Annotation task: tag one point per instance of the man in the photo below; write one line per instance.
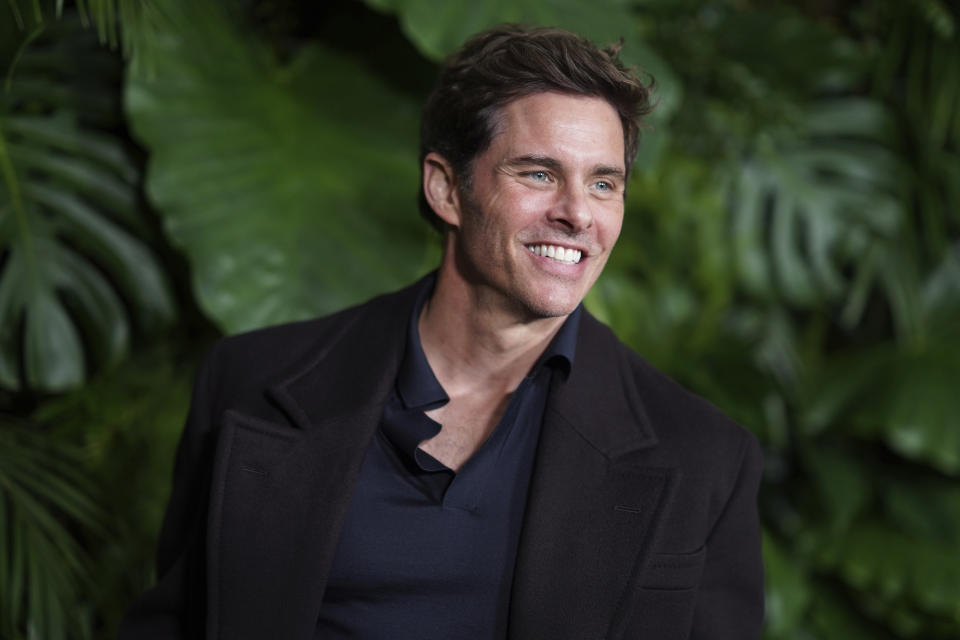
(474, 456)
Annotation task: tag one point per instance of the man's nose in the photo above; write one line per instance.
(573, 208)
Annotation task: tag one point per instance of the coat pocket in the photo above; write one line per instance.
(675, 571)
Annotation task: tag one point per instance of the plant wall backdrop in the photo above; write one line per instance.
(791, 250)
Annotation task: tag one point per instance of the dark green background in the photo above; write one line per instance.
(791, 250)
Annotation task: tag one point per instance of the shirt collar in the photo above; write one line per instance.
(416, 384)
(418, 388)
(559, 353)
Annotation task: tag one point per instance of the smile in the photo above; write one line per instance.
(556, 252)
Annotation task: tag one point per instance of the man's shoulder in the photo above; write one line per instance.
(263, 354)
(679, 416)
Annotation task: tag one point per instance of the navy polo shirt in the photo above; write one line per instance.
(427, 552)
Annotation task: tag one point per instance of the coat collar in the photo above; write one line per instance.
(594, 398)
(598, 399)
(353, 370)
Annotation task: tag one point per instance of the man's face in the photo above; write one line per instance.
(545, 207)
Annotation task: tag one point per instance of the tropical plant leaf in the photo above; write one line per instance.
(906, 399)
(919, 411)
(439, 29)
(805, 210)
(130, 24)
(832, 616)
(127, 423)
(24, 13)
(69, 227)
(788, 590)
(291, 188)
(939, 296)
(925, 508)
(898, 571)
(842, 483)
(46, 508)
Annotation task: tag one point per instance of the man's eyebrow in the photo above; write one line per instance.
(609, 170)
(533, 159)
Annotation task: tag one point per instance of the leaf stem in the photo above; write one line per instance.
(8, 82)
(13, 186)
(16, 13)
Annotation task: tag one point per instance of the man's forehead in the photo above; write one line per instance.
(540, 124)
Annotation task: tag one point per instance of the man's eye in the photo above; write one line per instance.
(538, 176)
(603, 185)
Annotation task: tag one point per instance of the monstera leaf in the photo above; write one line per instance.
(290, 187)
(808, 208)
(74, 276)
(904, 396)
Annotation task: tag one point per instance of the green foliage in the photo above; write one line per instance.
(789, 591)
(437, 30)
(47, 506)
(791, 250)
(806, 207)
(70, 227)
(275, 178)
(139, 19)
(83, 485)
(125, 423)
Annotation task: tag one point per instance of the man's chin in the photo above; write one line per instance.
(543, 308)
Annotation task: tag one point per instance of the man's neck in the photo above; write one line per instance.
(473, 344)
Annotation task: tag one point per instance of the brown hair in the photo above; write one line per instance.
(497, 66)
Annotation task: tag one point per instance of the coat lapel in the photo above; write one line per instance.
(593, 508)
(281, 490)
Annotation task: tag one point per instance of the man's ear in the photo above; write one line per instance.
(440, 188)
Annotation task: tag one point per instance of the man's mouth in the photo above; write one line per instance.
(556, 252)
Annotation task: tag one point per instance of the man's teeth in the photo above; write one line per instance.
(560, 254)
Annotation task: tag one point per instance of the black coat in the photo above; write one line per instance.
(641, 521)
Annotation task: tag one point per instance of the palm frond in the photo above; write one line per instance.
(47, 510)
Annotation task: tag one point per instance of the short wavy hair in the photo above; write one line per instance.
(507, 62)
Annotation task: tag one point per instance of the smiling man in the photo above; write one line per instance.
(474, 456)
